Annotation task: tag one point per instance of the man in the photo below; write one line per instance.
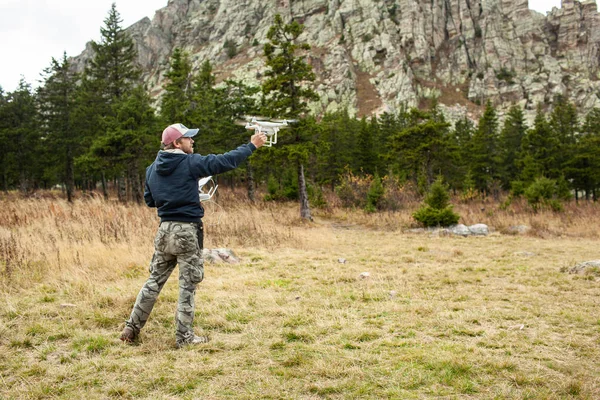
(172, 187)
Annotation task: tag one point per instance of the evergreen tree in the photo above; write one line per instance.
(365, 154)
(206, 112)
(584, 166)
(539, 152)
(19, 137)
(462, 140)
(115, 79)
(89, 121)
(389, 126)
(5, 143)
(131, 140)
(286, 96)
(114, 59)
(57, 104)
(375, 194)
(436, 209)
(423, 149)
(335, 146)
(176, 102)
(510, 143)
(564, 125)
(484, 148)
(235, 99)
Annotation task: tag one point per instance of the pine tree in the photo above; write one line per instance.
(20, 139)
(57, 99)
(462, 140)
(335, 146)
(114, 62)
(423, 149)
(510, 143)
(176, 102)
(115, 78)
(89, 121)
(436, 209)
(375, 194)
(484, 148)
(205, 110)
(584, 166)
(4, 140)
(131, 140)
(540, 151)
(365, 152)
(564, 125)
(286, 96)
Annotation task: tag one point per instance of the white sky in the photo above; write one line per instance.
(34, 31)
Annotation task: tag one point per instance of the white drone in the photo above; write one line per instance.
(269, 128)
(208, 192)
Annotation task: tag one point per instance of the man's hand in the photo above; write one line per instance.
(258, 139)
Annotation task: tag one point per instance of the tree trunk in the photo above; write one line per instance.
(104, 188)
(304, 207)
(250, 179)
(5, 177)
(136, 188)
(69, 177)
(134, 192)
(23, 182)
(122, 188)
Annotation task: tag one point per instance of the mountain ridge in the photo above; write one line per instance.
(374, 56)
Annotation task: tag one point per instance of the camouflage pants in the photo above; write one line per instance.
(175, 242)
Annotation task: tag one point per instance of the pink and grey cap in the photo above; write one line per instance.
(175, 131)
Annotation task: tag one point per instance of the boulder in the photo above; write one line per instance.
(460, 229)
(220, 256)
(587, 267)
(479, 230)
(518, 229)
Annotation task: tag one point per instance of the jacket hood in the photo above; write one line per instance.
(167, 162)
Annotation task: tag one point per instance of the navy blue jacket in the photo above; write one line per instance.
(172, 181)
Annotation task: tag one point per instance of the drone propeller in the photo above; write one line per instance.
(289, 121)
(254, 118)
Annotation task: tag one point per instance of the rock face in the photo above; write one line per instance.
(372, 56)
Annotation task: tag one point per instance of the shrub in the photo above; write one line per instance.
(438, 197)
(231, 48)
(517, 188)
(353, 190)
(315, 196)
(506, 75)
(429, 216)
(436, 210)
(375, 195)
(544, 192)
(398, 192)
(287, 190)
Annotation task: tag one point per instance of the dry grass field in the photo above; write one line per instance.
(441, 317)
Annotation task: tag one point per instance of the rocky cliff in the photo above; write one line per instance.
(372, 56)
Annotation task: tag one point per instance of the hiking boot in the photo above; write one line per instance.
(128, 335)
(193, 340)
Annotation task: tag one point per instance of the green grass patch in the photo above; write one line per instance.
(93, 344)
